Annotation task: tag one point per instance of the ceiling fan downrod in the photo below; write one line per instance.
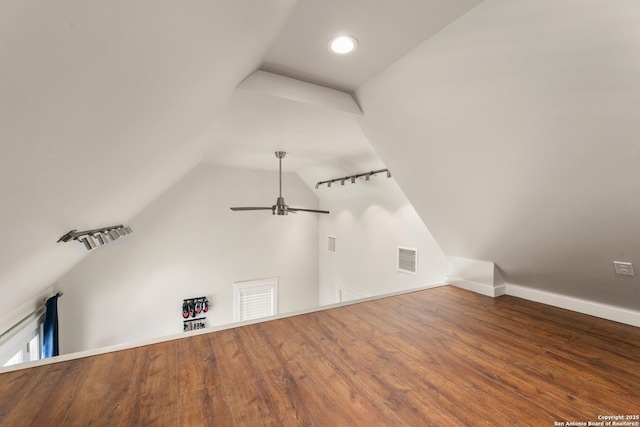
(280, 155)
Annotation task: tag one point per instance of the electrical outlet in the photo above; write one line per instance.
(624, 268)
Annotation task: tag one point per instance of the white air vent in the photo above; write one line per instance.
(255, 299)
(331, 244)
(256, 303)
(407, 260)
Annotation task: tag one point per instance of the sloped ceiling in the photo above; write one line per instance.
(514, 133)
(269, 113)
(103, 106)
(386, 30)
(512, 130)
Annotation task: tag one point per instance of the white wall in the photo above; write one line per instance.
(100, 107)
(188, 243)
(514, 133)
(369, 222)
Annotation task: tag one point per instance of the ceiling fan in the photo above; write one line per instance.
(280, 208)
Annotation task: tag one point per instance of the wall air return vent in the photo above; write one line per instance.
(407, 260)
(255, 299)
(331, 244)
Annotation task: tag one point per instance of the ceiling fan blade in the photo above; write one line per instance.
(251, 209)
(308, 210)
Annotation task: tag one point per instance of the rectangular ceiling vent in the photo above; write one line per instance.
(407, 260)
(331, 244)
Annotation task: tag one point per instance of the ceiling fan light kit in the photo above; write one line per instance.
(280, 208)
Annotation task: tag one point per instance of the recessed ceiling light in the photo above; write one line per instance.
(343, 45)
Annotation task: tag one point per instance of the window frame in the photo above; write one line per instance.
(20, 341)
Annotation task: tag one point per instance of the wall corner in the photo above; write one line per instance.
(482, 277)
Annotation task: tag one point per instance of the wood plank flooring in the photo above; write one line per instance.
(441, 357)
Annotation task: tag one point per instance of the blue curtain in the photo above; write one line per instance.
(50, 337)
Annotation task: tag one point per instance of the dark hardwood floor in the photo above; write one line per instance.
(441, 357)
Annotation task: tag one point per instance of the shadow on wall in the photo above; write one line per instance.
(369, 226)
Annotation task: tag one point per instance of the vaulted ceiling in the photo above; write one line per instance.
(511, 126)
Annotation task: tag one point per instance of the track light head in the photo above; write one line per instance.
(114, 234)
(353, 179)
(88, 242)
(368, 177)
(317, 185)
(342, 181)
(102, 239)
(388, 174)
(329, 184)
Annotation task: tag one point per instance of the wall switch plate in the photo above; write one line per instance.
(624, 268)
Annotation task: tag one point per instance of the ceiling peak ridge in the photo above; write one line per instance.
(292, 89)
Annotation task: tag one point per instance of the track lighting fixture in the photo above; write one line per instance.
(352, 178)
(88, 237)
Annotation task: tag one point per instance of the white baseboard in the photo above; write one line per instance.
(180, 335)
(604, 311)
(596, 309)
(479, 288)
